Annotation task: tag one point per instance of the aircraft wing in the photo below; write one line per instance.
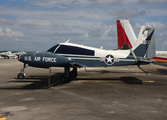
(78, 65)
(160, 60)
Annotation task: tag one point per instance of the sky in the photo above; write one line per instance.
(37, 25)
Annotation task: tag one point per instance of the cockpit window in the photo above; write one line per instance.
(63, 49)
(52, 49)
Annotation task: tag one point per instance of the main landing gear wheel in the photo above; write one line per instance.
(65, 79)
(73, 73)
(67, 76)
(21, 75)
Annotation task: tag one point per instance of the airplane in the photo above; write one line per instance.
(70, 55)
(126, 36)
(8, 54)
(161, 54)
(160, 60)
(20, 53)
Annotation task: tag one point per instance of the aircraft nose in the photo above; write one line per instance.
(21, 58)
(44, 59)
(25, 57)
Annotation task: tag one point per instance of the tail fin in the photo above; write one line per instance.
(145, 44)
(125, 34)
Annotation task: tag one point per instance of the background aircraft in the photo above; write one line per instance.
(20, 53)
(69, 55)
(8, 54)
(161, 54)
(125, 34)
(126, 37)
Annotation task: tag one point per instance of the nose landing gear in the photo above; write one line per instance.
(66, 77)
(22, 75)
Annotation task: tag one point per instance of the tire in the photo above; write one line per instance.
(73, 74)
(21, 76)
(65, 79)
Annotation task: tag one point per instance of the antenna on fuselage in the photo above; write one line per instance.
(67, 40)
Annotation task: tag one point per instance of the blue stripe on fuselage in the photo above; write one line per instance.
(91, 61)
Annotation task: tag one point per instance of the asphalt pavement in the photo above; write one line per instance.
(112, 93)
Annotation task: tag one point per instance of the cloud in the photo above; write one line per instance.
(10, 33)
(161, 41)
(153, 1)
(46, 25)
(6, 21)
(50, 3)
(18, 40)
(106, 32)
(157, 25)
(102, 2)
(86, 35)
(59, 3)
(126, 2)
(128, 13)
(48, 22)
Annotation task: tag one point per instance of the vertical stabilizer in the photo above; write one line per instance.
(145, 44)
(125, 34)
(142, 35)
(151, 48)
